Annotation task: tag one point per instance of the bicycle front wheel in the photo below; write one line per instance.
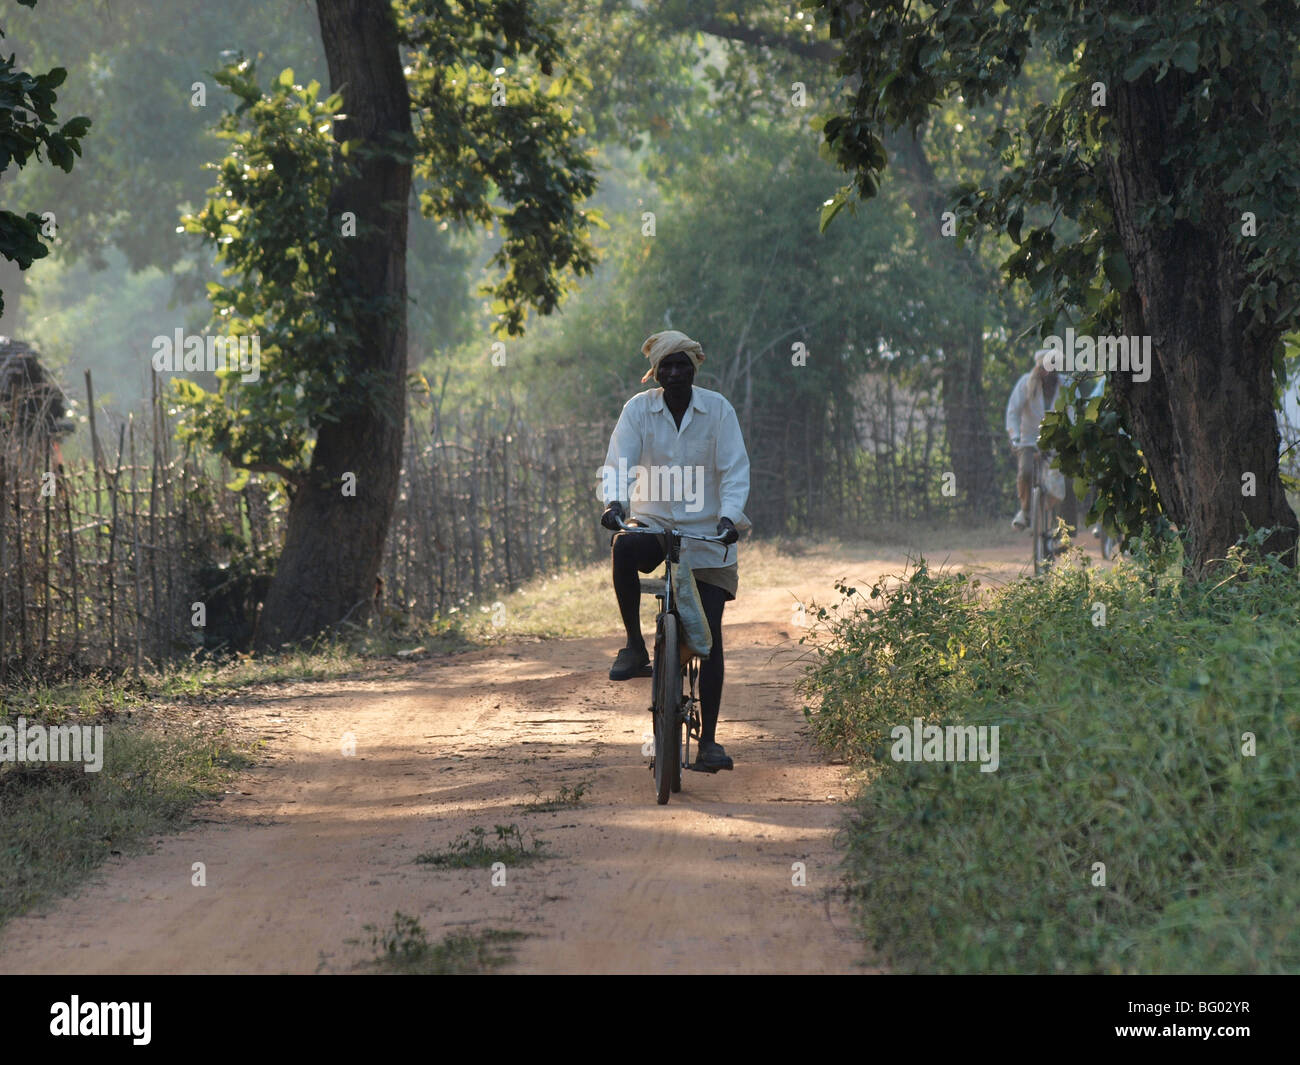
(668, 705)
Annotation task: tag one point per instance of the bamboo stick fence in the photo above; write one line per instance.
(103, 557)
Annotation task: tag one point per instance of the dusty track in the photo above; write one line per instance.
(311, 846)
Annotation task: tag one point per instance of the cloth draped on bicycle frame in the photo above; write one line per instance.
(1054, 482)
(695, 635)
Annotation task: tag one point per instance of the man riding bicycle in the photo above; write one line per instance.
(683, 446)
(1032, 397)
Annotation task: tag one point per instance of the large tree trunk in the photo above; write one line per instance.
(966, 429)
(1205, 419)
(334, 541)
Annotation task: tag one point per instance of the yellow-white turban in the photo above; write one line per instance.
(670, 341)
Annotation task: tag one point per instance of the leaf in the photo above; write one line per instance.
(1118, 272)
(884, 85)
(832, 207)
(1139, 66)
(1014, 223)
(1186, 56)
(930, 53)
(285, 80)
(76, 127)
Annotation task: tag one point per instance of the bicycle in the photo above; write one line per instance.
(1109, 542)
(1043, 529)
(1109, 545)
(670, 708)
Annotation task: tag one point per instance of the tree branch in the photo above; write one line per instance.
(718, 27)
(294, 477)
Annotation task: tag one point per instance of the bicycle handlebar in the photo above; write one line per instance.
(720, 539)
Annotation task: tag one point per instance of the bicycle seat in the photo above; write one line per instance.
(654, 585)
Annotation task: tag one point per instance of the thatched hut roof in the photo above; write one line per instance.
(29, 394)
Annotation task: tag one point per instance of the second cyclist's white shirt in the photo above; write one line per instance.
(709, 445)
(1025, 411)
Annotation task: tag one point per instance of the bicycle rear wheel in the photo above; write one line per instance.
(689, 720)
(1051, 546)
(668, 704)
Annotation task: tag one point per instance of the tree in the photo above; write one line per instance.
(1166, 168)
(313, 233)
(28, 126)
(790, 320)
(150, 122)
(765, 47)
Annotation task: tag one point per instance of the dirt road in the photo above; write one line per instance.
(311, 845)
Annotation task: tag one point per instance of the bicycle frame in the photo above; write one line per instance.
(1040, 518)
(1110, 542)
(688, 710)
(672, 552)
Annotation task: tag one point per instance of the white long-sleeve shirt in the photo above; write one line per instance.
(1025, 412)
(687, 479)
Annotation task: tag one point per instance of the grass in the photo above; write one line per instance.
(566, 799)
(61, 823)
(216, 678)
(560, 606)
(1126, 743)
(404, 947)
(473, 850)
(327, 658)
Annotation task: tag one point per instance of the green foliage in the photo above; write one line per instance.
(404, 947)
(909, 653)
(515, 162)
(271, 221)
(640, 64)
(28, 126)
(141, 59)
(565, 799)
(1120, 743)
(517, 166)
(1092, 446)
(736, 263)
(1236, 127)
(61, 822)
(471, 850)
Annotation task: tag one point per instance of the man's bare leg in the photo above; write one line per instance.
(1024, 481)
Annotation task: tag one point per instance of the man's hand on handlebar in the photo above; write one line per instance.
(727, 530)
(614, 513)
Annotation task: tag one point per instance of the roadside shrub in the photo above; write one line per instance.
(1121, 742)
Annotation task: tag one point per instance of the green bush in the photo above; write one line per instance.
(1120, 743)
(62, 822)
